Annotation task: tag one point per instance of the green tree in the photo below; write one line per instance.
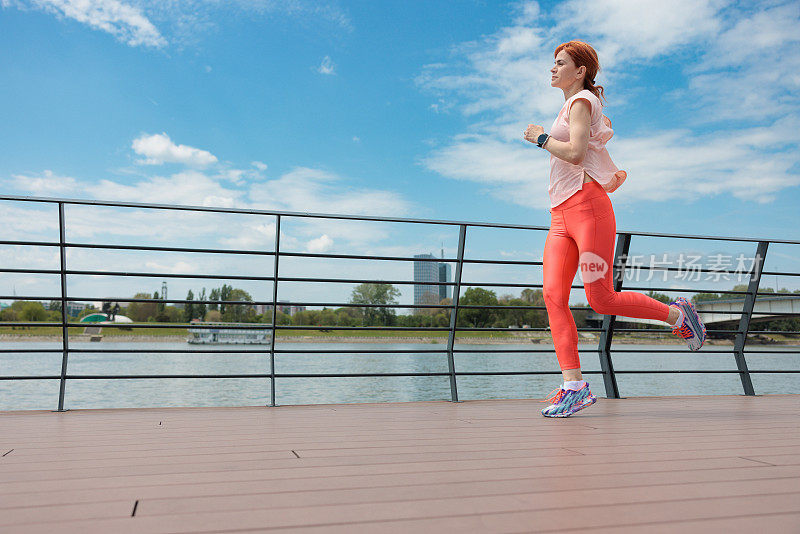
(698, 297)
(200, 309)
(214, 295)
(159, 305)
(189, 308)
(225, 294)
(9, 315)
(477, 317)
(140, 311)
(376, 294)
(32, 312)
(237, 313)
(512, 317)
(346, 316)
(170, 314)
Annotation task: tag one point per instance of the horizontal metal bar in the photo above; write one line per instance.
(389, 258)
(254, 252)
(35, 351)
(682, 289)
(388, 375)
(13, 242)
(657, 330)
(356, 281)
(170, 207)
(33, 325)
(30, 377)
(700, 371)
(30, 271)
(759, 351)
(257, 375)
(169, 249)
(254, 351)
(673, 350)
(780, 332)
(360, 281)
(780, 273)
(167, 275)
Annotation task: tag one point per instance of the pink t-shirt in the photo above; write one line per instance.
(565, 178)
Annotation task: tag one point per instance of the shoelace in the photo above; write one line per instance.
(555, 399)
(683, 330)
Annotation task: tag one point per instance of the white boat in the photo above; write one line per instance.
(222, 334)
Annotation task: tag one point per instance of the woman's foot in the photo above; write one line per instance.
(691, 328)
(567, 401)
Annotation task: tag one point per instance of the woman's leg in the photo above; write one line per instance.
(593, 226)
(560, 262)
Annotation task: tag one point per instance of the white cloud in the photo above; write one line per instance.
(185, 22)
(313, 190)
(501, 83)
(124, 21)
(260, 165)
(327, 66)
(159, 148)
(176, 267)
(47, 183)
(321, 244)
(189, 187)
(621, 30)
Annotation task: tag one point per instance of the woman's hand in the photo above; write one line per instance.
(532, 132)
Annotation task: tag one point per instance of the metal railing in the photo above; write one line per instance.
(606, 331)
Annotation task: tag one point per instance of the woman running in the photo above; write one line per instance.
(583, 227)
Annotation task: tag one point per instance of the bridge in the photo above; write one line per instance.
(725, 313)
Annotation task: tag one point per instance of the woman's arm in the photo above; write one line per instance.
(574, 150)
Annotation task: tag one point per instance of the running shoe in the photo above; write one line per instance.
(567, 401)
(692, 329)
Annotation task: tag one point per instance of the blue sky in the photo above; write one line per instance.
(400, 109)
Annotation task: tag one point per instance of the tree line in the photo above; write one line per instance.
(377, 309)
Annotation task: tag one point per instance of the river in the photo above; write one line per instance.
(136, 393)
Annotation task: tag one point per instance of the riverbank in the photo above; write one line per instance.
(462, 339)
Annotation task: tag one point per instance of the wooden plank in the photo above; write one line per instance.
(514, 513)
(483, 466)
(378, 485)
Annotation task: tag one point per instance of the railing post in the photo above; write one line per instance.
(274, 312)
(606, 365)
(64, 315)
(744, 321)
(462, 236)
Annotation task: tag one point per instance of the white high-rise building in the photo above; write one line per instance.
(429, 271)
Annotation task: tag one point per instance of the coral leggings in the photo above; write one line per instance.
(582, 231)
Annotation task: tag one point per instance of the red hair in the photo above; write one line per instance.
(584, 56)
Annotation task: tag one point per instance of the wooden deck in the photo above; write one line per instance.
(663, 464)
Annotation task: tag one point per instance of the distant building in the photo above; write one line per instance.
(445, 274)
(290, 310)
(426, 272)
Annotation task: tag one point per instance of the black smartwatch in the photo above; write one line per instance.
(541, 140)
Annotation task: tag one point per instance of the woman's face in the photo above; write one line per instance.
(565, 72)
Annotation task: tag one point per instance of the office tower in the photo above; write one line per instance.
(444, 276)
(426, 272)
